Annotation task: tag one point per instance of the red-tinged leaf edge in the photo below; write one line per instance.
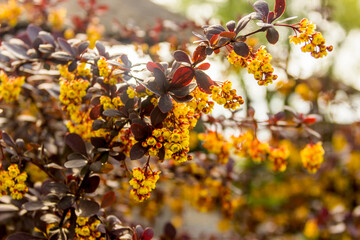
(148, 234)
(199, 55)
(279, 8)
(182, 77)
(76, 143)
(137, 151)
(230, 35)
(151, 66)
(108, 199)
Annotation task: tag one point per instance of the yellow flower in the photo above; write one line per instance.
(57, 18)
(312, 156)
(10, 12)
(10, 87)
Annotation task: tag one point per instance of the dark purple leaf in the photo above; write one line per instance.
(262, 8)
(184, 99)
(152, 86)
(101, 48)
(181, 56)
(243, 22)
(182, 77)
(215, 29)
(8, 140)
(137, 151)
(161, 80)
(98, 124)
(203, 39)
(165, 103)
(87, 208)
(72, 66)
(223, 41)
(231, 25)
(32, 31)
(76, 143)
(139, 230)
(82, 47)
(64, 45)
(272, 35)
(157, 116)
(98, 142)
(66, 202)
(75, 163)
(16, 50)
(139, 131)
(148, 234)
(96, 166)
(91, 184)
(113, 113)
(124, 58)
(108, 199)
(204, 81)
(47, 37)
(33, 206)
(184, 91)
(23, 236)
(63, 57)
(241, 49)
(170, 231)
(55, 187)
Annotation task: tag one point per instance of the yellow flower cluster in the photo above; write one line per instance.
(261, 68)
(105, 71)
(215, 143)
(81, 124)
(143, 182)
(247, 145)
(109, 103)
(10, 12)
(131, 92)
(71, 94)
(176, 143)
(257, 63)
(126, 139)
(313, 41)
(94, 32)
(279, 156)
(86, 229)
(56, 18)
(13, 181)
(226, 96)
(200, 103)
(10, 87)
(312, 156)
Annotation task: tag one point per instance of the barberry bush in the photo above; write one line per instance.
(96, 145)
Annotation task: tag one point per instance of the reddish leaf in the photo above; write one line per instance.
(151, 66)
(204, 66)
(230, 35)
(108, 199)
(279, 8)
(199, 55)
(95, 112)
(139, 131)
(76, 143)
(181, 56)
(148, 234)
(182, 77)
(91, 184)
(214, 39)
